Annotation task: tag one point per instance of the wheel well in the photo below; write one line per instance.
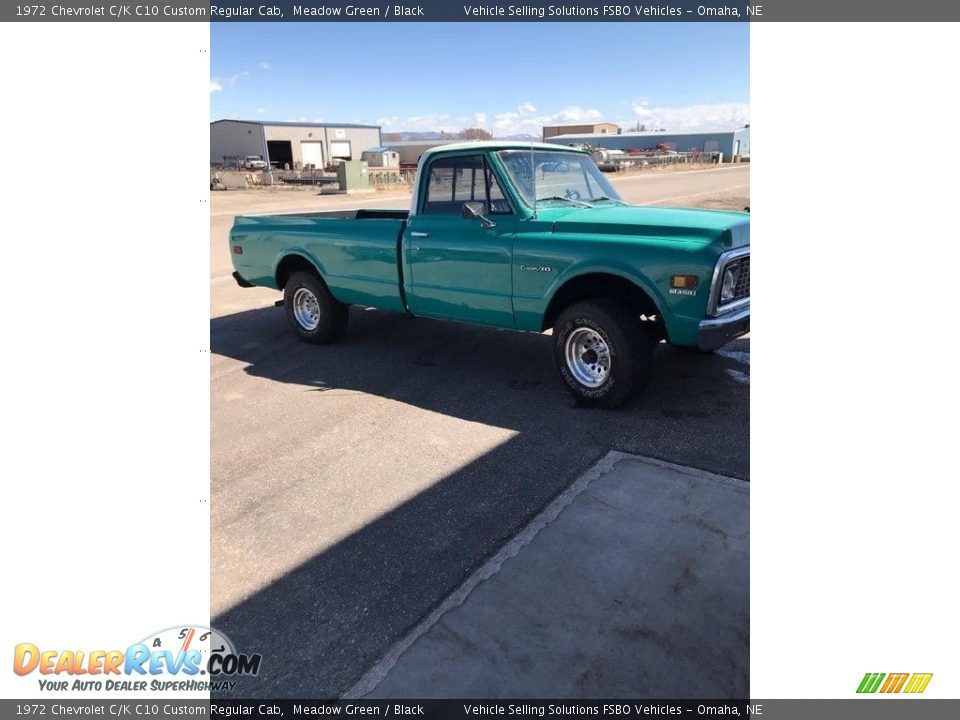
(602, 285)
(291, 264)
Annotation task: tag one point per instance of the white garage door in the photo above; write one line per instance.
(312, 153)
(340, 149)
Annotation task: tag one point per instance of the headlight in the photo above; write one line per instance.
(729, 284)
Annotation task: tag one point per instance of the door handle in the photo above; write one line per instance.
(415, 233)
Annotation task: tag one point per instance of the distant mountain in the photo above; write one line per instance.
(522, 136)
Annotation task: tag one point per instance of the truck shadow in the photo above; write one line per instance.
(496, 377)
(322, 624)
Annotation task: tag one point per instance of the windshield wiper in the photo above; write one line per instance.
(604, 197)
(581, 203)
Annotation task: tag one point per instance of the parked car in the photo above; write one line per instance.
(492, 239)
(254, 162)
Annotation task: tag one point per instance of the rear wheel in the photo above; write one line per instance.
(314, 314)
(603, 352)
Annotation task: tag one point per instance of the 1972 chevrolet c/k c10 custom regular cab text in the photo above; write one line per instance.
(520, 236)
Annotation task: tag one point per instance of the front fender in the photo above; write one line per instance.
(621, 269)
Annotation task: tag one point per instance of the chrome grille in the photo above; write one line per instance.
(743, 281)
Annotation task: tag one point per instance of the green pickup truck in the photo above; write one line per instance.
(523, 236)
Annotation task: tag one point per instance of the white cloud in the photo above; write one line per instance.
(575, 113)
(217, 84)
(526, 120)
(263, 66)
(420, 119)
(425, 123)
(703, 116)
(302, 118)
(505, 120)
(261, 111)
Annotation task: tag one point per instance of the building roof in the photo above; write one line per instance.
(583, 124)
(653, 133)
(299, 124)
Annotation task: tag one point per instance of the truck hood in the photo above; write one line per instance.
(731, 229)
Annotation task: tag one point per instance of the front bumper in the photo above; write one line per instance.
(717, 332)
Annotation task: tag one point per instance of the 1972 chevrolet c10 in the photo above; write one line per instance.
(520, 236)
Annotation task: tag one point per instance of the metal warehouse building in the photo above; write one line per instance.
(603, 128)
(289, 143)
(729, 142)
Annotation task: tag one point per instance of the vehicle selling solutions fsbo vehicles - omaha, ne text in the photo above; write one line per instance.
(520, 236)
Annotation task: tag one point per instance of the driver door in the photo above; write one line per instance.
(457, 268)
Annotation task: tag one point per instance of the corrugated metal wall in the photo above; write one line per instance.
(235, 138)
(360, 139)
(705, 142)
(238, 138)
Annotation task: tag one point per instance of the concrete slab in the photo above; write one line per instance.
(633, 583)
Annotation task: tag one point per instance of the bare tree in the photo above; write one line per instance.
(475, 134)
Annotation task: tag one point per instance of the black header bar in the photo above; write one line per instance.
(484, 11)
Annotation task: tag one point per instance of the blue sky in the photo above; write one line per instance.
(508, 78)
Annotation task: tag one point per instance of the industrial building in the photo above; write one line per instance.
(603, 128)
(290, 145)
(411, 150)
(381, 157)
(732, 143)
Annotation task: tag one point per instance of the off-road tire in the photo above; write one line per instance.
(629, 345)
(332, 315)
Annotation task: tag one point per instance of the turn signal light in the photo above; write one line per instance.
(684, 282)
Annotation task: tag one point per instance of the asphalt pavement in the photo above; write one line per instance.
(354, 486)
(633, 583)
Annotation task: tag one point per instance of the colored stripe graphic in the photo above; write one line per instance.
(918, 682)
(894, 682)
(870, 682)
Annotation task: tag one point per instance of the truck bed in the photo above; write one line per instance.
(362, 214)
(358, 260)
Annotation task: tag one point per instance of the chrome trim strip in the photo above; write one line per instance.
(722, 262)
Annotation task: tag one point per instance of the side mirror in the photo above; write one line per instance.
(473, 210)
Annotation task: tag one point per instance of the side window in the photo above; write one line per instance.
(468, 184)
(498, 203)
(454, 181)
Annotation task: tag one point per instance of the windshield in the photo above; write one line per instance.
(558, 176)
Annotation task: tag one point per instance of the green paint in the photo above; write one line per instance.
(446, 266)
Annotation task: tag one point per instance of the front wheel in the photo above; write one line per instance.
(603, 352)
(315, 315)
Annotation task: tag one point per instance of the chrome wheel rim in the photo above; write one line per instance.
(306, 309)
(588, 357)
